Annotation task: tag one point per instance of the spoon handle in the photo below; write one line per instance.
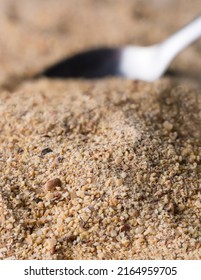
(183, 38)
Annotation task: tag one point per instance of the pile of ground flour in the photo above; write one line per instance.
(97, 169)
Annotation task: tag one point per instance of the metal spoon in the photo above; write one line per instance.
(140, 63)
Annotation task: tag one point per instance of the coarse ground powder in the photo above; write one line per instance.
(100, 170)
(103, 169)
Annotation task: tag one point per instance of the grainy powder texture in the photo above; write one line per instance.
(97, 169)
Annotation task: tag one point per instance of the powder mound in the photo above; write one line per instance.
(122, 180)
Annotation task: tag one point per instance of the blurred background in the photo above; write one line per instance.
(36, 33)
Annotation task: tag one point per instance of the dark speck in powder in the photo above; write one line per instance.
(46, 151)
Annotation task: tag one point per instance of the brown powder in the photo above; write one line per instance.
(130, 186)
(126, 155)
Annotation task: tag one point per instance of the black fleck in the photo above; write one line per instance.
(20, 150)
(46, 151)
